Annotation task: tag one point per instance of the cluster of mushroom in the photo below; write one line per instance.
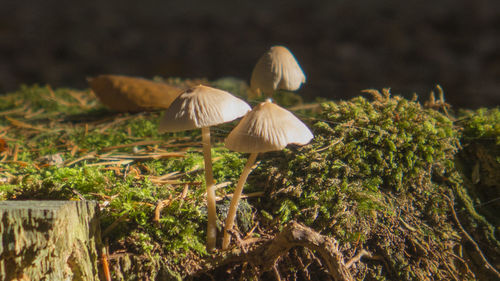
(266, 127)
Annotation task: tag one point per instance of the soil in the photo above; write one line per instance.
(343, 46)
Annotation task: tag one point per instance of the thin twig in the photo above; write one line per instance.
(184, 194)
(249, 195)
(33, 114)
(276, 272)
(222, 185)
(161, 204)
(294, 234)
(91, 155)
(465, 265)
(23, 125)
(169, 176)
(120, 162)
(144, 142)
(105, 264)
(15, 110)
(150, 156)
(358, 257)
(476, 246)
(15, 153)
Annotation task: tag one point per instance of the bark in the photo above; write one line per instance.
(49, 240)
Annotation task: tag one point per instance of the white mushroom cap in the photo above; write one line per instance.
(202, 106)
(267, 127)
(276, 69)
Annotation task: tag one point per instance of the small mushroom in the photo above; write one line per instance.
(202, 107)
(268, 127)
(276, 69)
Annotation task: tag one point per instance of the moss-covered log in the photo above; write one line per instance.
(49, 240)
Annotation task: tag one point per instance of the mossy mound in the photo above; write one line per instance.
(383, 174)
(379, 176)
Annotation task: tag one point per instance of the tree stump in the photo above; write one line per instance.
(49, 240)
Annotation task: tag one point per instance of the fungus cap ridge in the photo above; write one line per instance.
(268, 127)
(277, 69)
(202, 106)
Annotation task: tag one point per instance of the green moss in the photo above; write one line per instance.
(483, 123)
(367, 179)
(479, 163)
(128, 201)
(46, 99)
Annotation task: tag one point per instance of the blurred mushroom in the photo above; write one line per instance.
(202, 107)
(130, 94)
(268, 127)
(276, 69)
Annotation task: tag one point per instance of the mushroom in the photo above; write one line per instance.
(202, 107)
(268, 127)
(276, 69)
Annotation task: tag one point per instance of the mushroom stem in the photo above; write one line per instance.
(236, 198)
(209, 182)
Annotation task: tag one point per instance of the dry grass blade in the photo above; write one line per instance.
(15, 153)
(91, 155)
(121, 162)
(138, 143)
(24, 125)
(222, 184)
(249, 195)
(10, 139)
(169, 176)
(185, 191)
(20, 163)
(157, 181)
(73, 150)
(184, 194)
(52, 97)
(153, 156)
(115, 122)
(81, 98)
(161, 204)
(190, 144)
(30, 114)
(197, 183)
(15, 110)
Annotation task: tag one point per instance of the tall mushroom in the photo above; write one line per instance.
(202, 107)
(276, 69)
(268, 127)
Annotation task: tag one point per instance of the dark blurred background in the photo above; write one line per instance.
(343, 46)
